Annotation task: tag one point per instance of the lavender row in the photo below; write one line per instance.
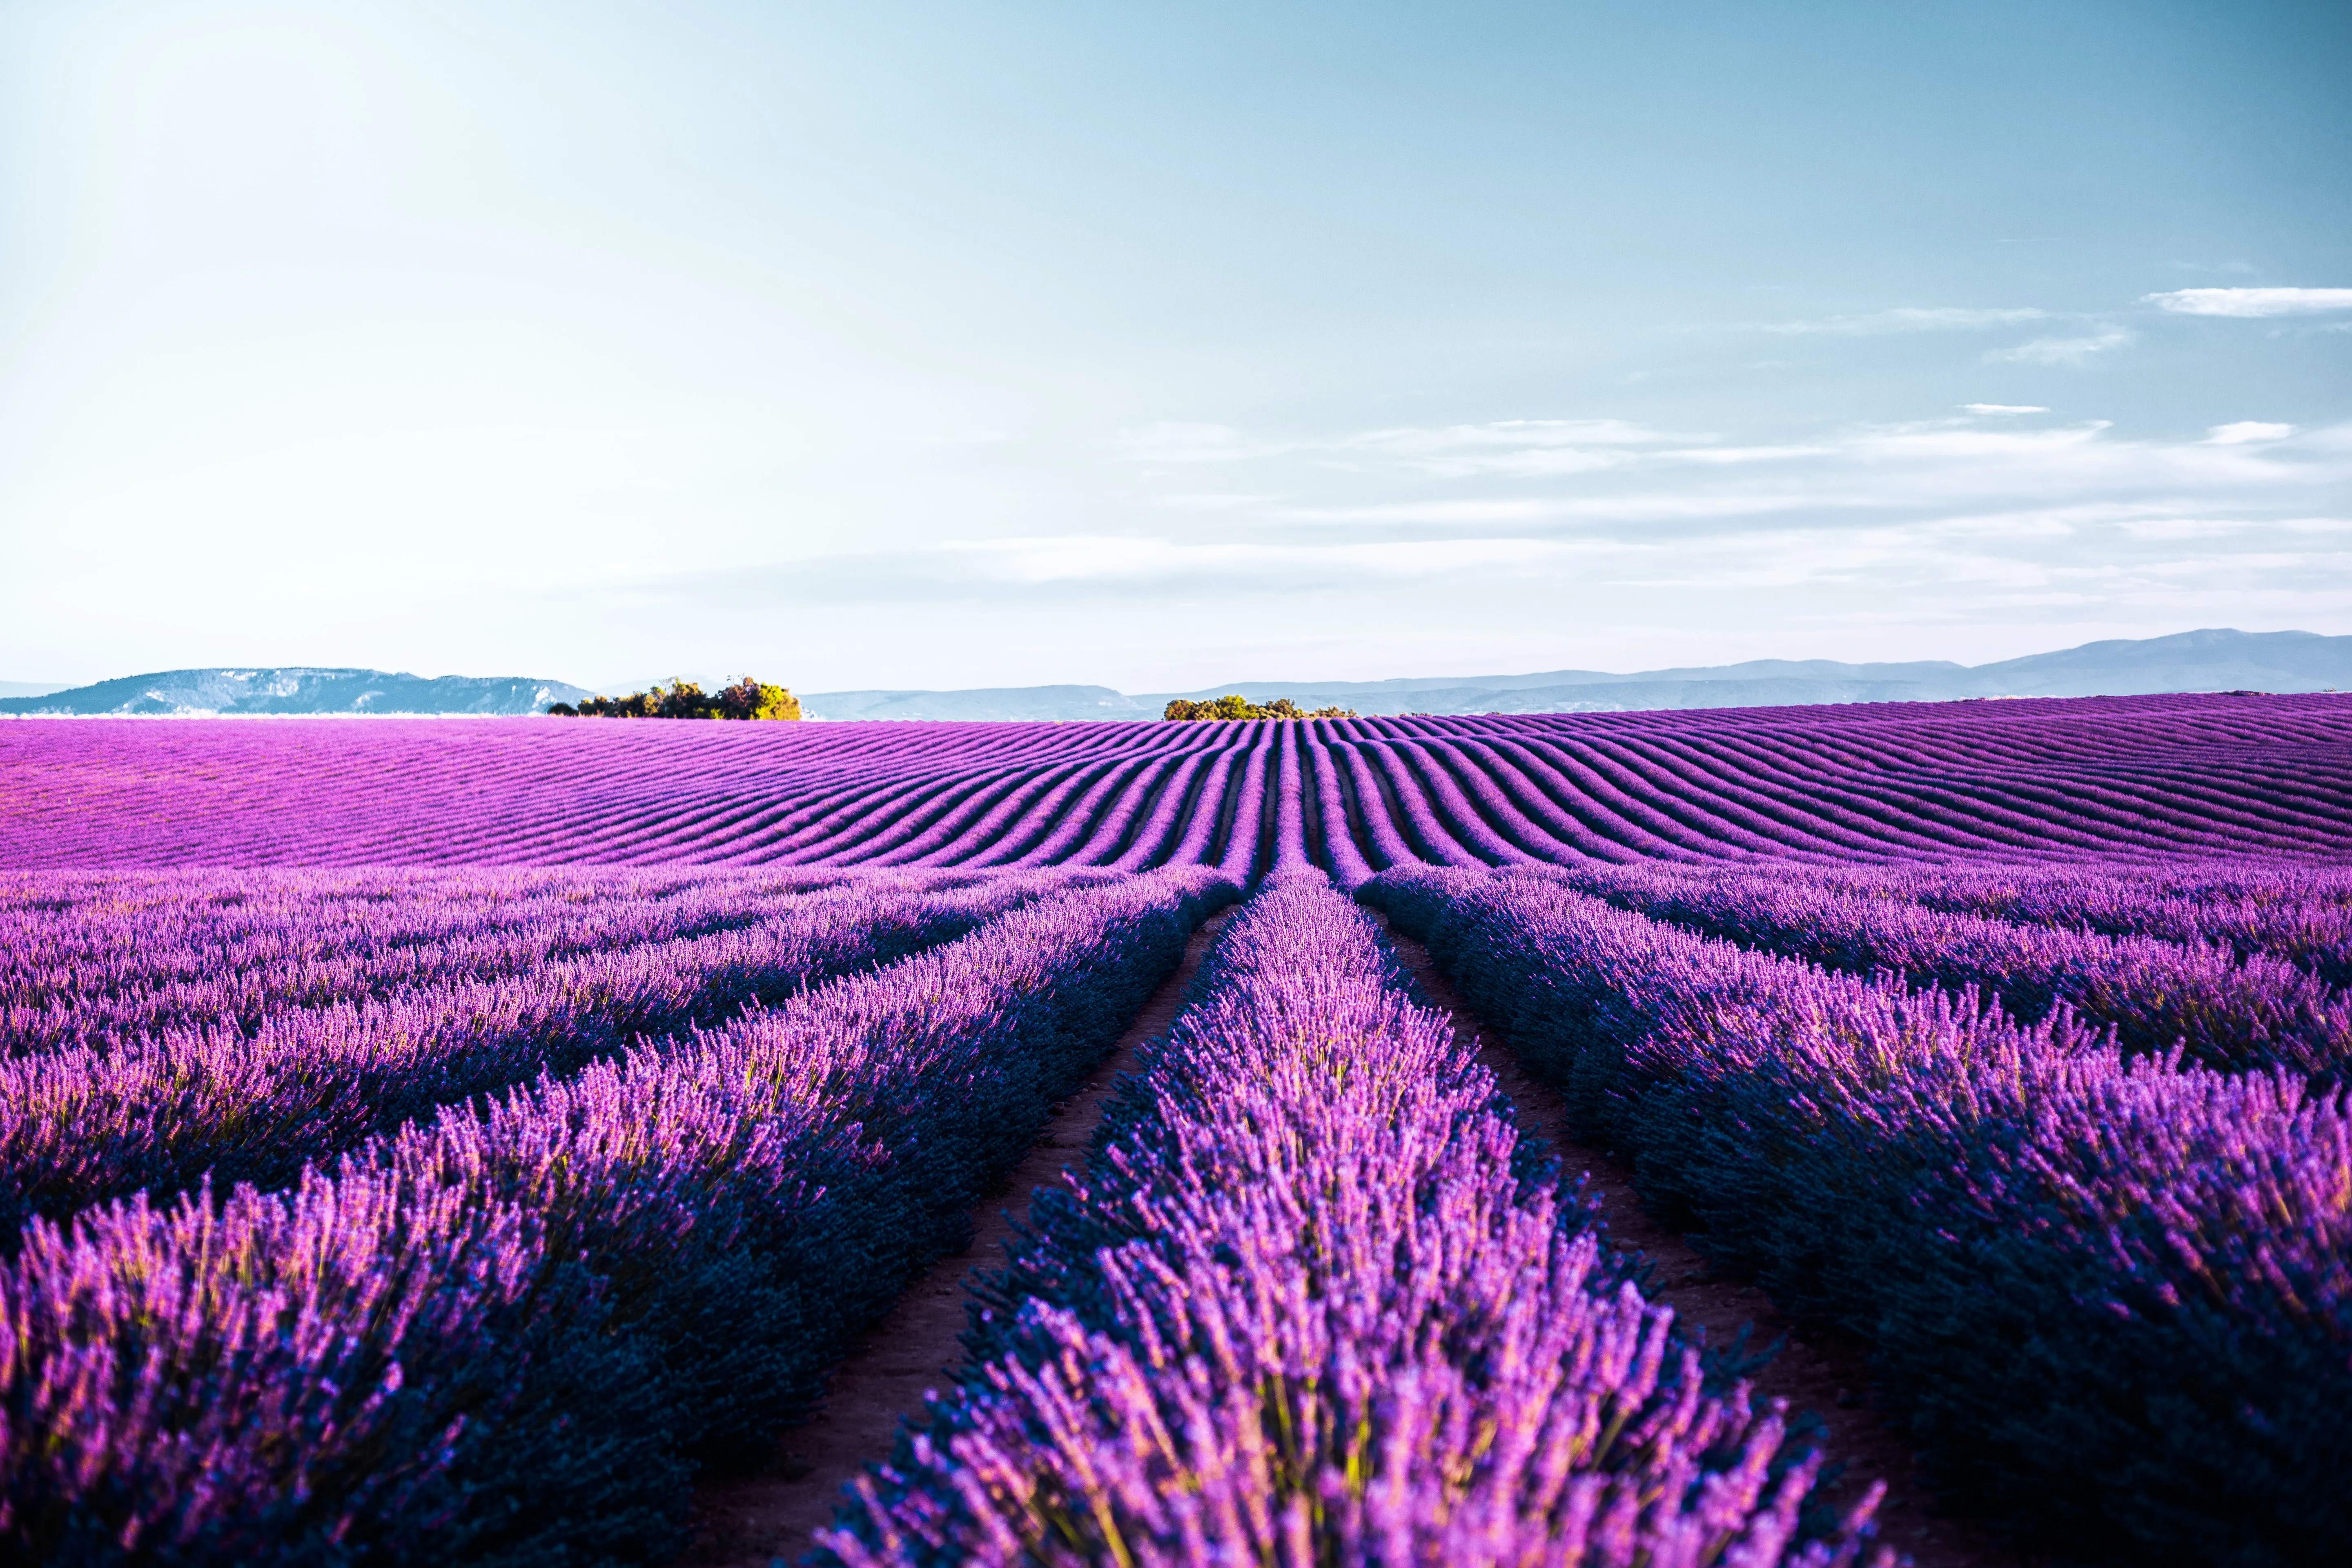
(2300, 914)
(508, 1336)
(262, 915)
(2109, 1297)
(2226, 1012)
(96, 960)
(80, 1126)
(1316, 1299)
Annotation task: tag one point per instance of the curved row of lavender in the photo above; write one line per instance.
(2109, 1297)
(90, 958)
(1316, 1299)
(2127, 777)
(510, 1334)
(2301, 914)
(153, 1110)
(2223, 1009)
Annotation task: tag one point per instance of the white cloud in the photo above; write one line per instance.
(1516, 433)
(1729, 457)
(1173, 442)
(2246, 430)
(1865, 475)
(1513, 449)
(1214, 502)
(1134, 569)
(2004, 408)
(1516, 512)
(1950, 523)
(1074, 558)
(1518, 449)
(2186, 526)
(1526, 463)
(2062, 351)
(2250, 301)
(1913, 319)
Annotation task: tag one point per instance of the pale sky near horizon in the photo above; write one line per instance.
(1159, 345)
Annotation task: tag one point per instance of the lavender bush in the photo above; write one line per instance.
(2298, 913)
(2110, 1296)
(2223, 1010)
(504, 1335)
(78, 1126)
(1314, 1301)
(99, 959)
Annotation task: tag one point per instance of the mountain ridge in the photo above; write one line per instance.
(2210, 660)
(296, 689)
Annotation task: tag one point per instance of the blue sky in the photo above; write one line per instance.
(876, 344)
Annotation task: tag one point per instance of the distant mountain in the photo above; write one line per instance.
(1753, 671)
(2212, 660)
(2190, 661)
(31, 688)
(298, 691)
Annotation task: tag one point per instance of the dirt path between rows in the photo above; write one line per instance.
(767, 1517)
(1828, 1375)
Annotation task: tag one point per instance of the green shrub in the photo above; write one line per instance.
(1232, 705)
(747, 698)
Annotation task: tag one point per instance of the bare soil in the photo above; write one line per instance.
(769, 1516)
(1827, 1374)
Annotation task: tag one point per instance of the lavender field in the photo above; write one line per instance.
(431, 1141)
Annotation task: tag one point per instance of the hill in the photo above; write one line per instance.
(2215, 659)
(2210, 660)
(297, 689)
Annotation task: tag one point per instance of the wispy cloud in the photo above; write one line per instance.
(1127, 568)
(2186, 527)
(1974, 516)
(1035, 562)
(1866, 473)
(2250, 301)
(1984, 519)
(1172, 442)
(1517, 432)
(2246, 430)
(1912, 318)
(2074, 351)
(2004, 408)
(1525, 448)
(1214, 502)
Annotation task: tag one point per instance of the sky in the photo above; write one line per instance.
(1156, 345)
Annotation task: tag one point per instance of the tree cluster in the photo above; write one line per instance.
(747, 698)
(1232, 705)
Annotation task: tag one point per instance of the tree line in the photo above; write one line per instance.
(747, 698)
(1234, 705)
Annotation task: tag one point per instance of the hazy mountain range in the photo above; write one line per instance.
(298, 690)
(2212, 660)
(2215, 660)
